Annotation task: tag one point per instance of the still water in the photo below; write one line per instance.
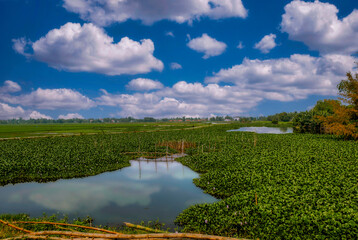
(274, 130)
(147, 190)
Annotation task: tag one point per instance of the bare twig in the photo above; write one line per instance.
(15, 227)
(71, 225)
(144, 228)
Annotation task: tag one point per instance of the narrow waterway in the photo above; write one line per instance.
(272, 130)
(148, 190)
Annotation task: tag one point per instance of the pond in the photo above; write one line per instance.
(148, 190)
(273, 130)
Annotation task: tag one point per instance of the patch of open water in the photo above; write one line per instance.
(146, 191)
(273, 130)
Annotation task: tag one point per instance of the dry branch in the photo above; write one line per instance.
(35, 237)
(144, 228)
(134, 236)
(15, 227)
(71, 225)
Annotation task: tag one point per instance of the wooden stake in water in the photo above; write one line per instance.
(166, 154)
(140, 171)
(182, 147)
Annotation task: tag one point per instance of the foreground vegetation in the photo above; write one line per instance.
(24, 224)
(270, 186)
(285, 187)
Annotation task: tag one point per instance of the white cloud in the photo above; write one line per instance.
(240, 45)
(241, 88)
(170, 34)
(51, 99)
(88, 48)
(144, 84)
(37, 115)
(288, 79)
(8, 112)
(10, 87)
(71, 116)
(207, 45)
(317, 25)
(20, 46)
(102, 12)
(267, 43)
(183, 99)
(175, 66)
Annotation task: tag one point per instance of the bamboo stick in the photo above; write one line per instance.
(71, 225)
(135, 236)
(16, 227)
(36, 237)
(144, 228)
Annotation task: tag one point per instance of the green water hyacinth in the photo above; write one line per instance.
(293, 186)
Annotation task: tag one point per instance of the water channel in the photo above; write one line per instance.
(148, 190)
(273, 130)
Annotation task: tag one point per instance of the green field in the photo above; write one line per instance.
(295, 186)
(36, 130)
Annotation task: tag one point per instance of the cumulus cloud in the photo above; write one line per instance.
(8, 112)
(88, 48)
(183, 99)
(317, 25)
(37, 115)
(10, 87)
(102, 12)
(144, 84)
(207, 45)
(175, 66)
(238, 89)
(20, 46)
(71, 116)
(288, 79)
(267, 43)
(51, 99)
(241, 88)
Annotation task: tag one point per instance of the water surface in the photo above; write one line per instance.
(273, 130)
(147, 190)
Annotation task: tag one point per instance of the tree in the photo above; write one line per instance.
(310, 121)
(344, 121)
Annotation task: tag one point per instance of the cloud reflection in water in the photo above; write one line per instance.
(143, 191)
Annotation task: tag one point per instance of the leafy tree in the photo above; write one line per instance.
(344, 121)
(309, 121)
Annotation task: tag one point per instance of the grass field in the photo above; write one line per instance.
(36, 130)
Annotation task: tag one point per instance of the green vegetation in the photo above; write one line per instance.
(285, 187)
(36, 130)
(308, 122)
(270, 186)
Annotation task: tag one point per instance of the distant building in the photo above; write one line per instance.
(236, 118)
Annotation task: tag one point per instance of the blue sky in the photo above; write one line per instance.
(165, 58)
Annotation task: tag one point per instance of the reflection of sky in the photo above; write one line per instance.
(274, 130)
(144, 191)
